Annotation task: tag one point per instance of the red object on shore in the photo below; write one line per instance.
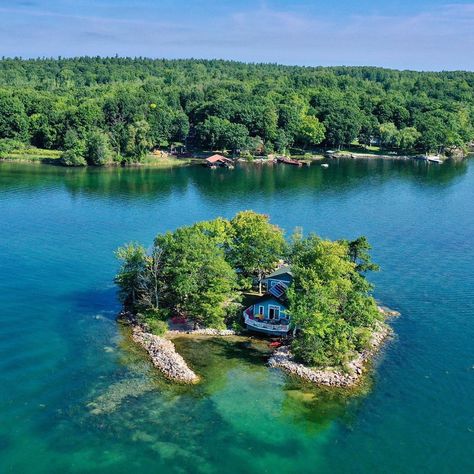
(275, 344)
(179, 320)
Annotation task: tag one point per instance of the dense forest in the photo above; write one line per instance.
(99, 110)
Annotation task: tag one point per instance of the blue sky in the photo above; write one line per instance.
(416, 34)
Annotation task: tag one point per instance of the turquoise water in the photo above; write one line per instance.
(77, 397)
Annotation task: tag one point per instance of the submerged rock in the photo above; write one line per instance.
(117, 393)
(387, 312)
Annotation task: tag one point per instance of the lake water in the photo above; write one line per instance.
(76, 396)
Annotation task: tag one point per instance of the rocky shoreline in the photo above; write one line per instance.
(283, 359)
(165, 358)
(201, 332)
(162, 352)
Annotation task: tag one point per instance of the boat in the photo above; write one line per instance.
(324, 165)
(288, 161)
(275, 344)
(431, 158)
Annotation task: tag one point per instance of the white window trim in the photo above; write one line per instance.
(277, 310)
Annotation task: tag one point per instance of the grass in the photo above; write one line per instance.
(167, 161)
(33, 154)
(370, 150)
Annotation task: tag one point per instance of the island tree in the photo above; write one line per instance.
(257, 245)
(132, 274)
(197, 281)
(330, 302)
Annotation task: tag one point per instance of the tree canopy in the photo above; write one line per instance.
(330, 300)
(199, 272)
(194, 271)
(126, 107)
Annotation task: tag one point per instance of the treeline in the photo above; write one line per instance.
(201, 271)
(99, 110)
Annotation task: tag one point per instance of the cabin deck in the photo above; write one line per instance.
(277, 327)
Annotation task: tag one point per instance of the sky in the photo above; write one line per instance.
(413, 34)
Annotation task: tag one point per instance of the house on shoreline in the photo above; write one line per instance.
(268, 314)
(215, 161)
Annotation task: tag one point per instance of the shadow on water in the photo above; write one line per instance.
(223, 184)
(190, 425)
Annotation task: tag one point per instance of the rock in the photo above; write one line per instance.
(283, 359)
(205, 332)
(162, 352)
(387, 312)
(455, 153)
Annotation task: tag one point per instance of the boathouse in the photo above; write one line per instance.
(215, 161)
(268, 314)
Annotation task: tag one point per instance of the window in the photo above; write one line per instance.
(274, 312)
(261, 310)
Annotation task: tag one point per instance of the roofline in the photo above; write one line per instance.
(266, 296)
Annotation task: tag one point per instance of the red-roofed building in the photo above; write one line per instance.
(218, 160)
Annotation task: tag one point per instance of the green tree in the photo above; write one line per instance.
(342, 126)
(369, 130)
(358, 251)
(434, 132)
(329, 301)
(199, 283)
(74, 150)
(13, 119)
(222, 134)
(408, 138)
(257, 246)
(98, 151)
(282, 141)
(311, 131)
(137, 140)
(389, 135)
(132, 274)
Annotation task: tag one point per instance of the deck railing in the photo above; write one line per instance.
(266, 326)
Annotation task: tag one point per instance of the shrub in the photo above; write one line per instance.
(73, 157)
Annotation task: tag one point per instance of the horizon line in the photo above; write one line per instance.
(236, 61)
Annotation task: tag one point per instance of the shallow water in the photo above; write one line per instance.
(76, 396)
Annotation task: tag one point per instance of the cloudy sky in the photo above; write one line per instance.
(415, 34)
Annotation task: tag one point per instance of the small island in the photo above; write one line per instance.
(309, 296)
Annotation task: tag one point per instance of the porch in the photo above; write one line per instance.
(275, 327)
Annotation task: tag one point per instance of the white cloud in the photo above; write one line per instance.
(439, 38)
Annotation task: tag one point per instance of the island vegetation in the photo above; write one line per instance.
(97, 111)
(203, 272)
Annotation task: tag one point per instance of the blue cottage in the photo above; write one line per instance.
(268, 314)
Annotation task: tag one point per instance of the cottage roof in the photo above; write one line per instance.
(285, 269)
(269, 296)
(217, 158)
